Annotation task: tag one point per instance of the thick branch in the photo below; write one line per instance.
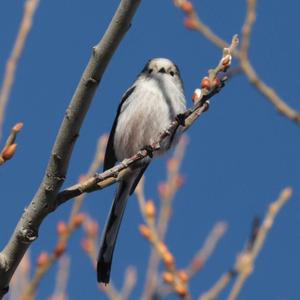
(44, 200)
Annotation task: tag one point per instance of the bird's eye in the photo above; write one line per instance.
(150, 71)
(172, 73)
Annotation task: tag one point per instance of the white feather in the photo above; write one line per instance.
(151, 107)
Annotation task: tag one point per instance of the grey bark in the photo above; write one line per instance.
(44, 200)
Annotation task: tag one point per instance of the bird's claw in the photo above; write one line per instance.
(180, 118)
(149, 150)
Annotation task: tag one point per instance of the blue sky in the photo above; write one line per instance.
(240, 154)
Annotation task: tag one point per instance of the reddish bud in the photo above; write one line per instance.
(91, 228)
(43, 259)
(150, 209)
(145, 231)
(168, 277)
(205, 83)
(172, 165)
(18, 127)
(287, 192)
(225, 61)
(163, 190)
(162, 248)
(60, 249)
(179, 180)
(190, 23)
(78, 219)
(9, 152)
(180, 290)
(217, 82)
(82, 178)
(168, 259)
(87, 245)
(61, 228)
(198, 263)
(187, 7)
(183, 275)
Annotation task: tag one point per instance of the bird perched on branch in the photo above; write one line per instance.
(154, 100)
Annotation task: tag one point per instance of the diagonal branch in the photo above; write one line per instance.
(44, 199)
(245, 261)
(193, 21)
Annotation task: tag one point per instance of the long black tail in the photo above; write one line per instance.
(125, 189)
(111, 231)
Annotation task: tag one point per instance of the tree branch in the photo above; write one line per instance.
(44, 200)
(193, 21)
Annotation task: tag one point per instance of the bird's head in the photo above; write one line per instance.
(163, 67)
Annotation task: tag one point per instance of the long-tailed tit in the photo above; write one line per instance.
(146, 109)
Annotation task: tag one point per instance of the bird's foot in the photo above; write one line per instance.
(180, 118)
(149, 150)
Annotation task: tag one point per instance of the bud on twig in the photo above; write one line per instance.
(150, 209)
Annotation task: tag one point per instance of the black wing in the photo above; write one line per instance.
(110, 155)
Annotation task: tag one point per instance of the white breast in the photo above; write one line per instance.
(147, 112)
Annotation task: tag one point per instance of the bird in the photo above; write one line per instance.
(153, 101)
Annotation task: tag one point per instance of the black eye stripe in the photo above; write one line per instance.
(172, 73)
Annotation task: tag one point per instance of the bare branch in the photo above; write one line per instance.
(247, 27)
(149, 231)
(218, 287)
(129, 282)
(30, 7)
(44, 200)
(245, 261)
(61, 279)
(167, 191)
(205, 252)
(193, 21)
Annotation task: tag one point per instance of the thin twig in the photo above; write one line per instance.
(247, 28)
(193, 21)
(206, 251)
(218, 287)
(200, 259)
(61, 279)
(129, 282)
(245, 261)
(167, 191)
(150, 232)
(30, 7)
